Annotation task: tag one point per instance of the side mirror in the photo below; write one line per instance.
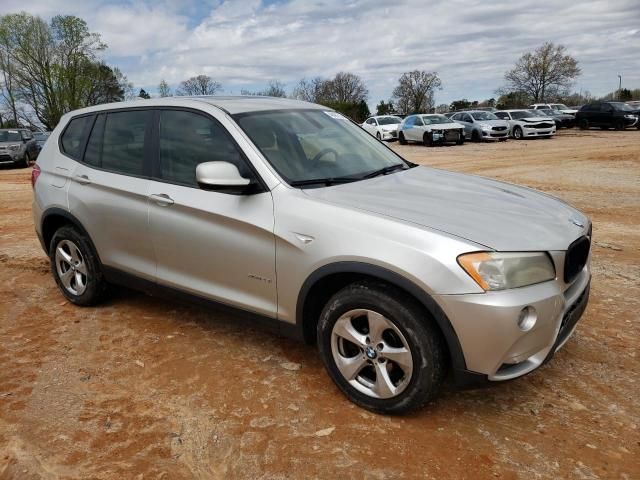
(222, 177)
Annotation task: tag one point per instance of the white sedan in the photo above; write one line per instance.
(383, 127)
(527, 123)
(430, 129)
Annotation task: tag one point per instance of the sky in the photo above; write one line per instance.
(244, 44)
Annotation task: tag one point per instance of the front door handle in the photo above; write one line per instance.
(162, 199)
(82, 179)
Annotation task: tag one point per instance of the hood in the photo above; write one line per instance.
(445, 126)
(497, 215)
(493, 123)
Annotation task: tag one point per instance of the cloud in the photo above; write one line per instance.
(244, 44)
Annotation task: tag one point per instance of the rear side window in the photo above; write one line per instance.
(188, 139)
(72, 139)
(117, 142)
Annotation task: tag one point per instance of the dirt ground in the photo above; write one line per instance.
(141, 388)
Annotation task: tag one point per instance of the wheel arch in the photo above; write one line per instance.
(55, 218)
(327, 280)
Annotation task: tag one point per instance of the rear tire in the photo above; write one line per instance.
(76, 268)
(381, 348)
(401, 139)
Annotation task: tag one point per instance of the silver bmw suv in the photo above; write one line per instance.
(287, 212)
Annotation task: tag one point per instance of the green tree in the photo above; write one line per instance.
(513, 100)
(163, 89)
(545, 73)
(460, 104)
(385, 108)
(54, 66)
(415, 91)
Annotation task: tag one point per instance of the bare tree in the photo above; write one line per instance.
(347, 87)
(415, 91)
(199, 85)
(275, 89)
(545, 73)
(163, 89)
(309, 90)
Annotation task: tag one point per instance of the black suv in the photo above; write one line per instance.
(607, 115)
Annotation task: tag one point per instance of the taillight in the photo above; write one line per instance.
(35, 173)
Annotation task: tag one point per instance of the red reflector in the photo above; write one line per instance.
(35, 173)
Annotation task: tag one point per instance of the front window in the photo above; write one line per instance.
(309, 145)
(520, 114)
(621, 106)
(435, 119)
(10, 136)
(483, 116)
(389, 120)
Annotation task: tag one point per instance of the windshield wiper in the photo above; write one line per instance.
(322, 181)
(384, 171)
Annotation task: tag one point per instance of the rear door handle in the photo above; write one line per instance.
(162, 199)
(82, 179)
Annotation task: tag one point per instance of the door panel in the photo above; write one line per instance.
(217, 245)
(108, 192)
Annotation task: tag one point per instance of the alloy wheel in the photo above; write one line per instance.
(371, 353)
(71, 267)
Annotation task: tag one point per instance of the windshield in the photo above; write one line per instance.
(389, 120)
(10, 136)
(621, 106)
(548, 111)
(305, 145)
(484, 116)
(435, 119)
(517, 115)
(559, 106)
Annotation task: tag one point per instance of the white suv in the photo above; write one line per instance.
(289, 213)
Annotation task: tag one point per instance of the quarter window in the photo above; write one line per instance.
(188, 139)
(72, 139)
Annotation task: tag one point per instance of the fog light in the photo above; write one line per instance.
(527, 319)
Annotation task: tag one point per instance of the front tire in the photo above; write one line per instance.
(475, 136)
(427, 140)
(401, 139)
(583, 124)
(76, 268)
(378, 136)
(619, 125)
(381, 349)
(517, 133)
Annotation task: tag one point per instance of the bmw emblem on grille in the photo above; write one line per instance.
(576, 222)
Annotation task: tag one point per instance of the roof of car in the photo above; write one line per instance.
(230, 104)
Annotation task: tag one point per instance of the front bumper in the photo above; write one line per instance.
(538, 132)
(7, 157)
(389, 134)
(486, 324)
(495, 134)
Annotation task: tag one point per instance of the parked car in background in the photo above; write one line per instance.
(430, 129)
(606, 115)
(383, 127)
(562, 120)
(41, 138)
(527, 124)
(17, 147)
(287, 212)
(480, 125)
(561, 107)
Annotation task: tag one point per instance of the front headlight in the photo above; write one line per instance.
(14, 147)
(632, 117)
(503, 270)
